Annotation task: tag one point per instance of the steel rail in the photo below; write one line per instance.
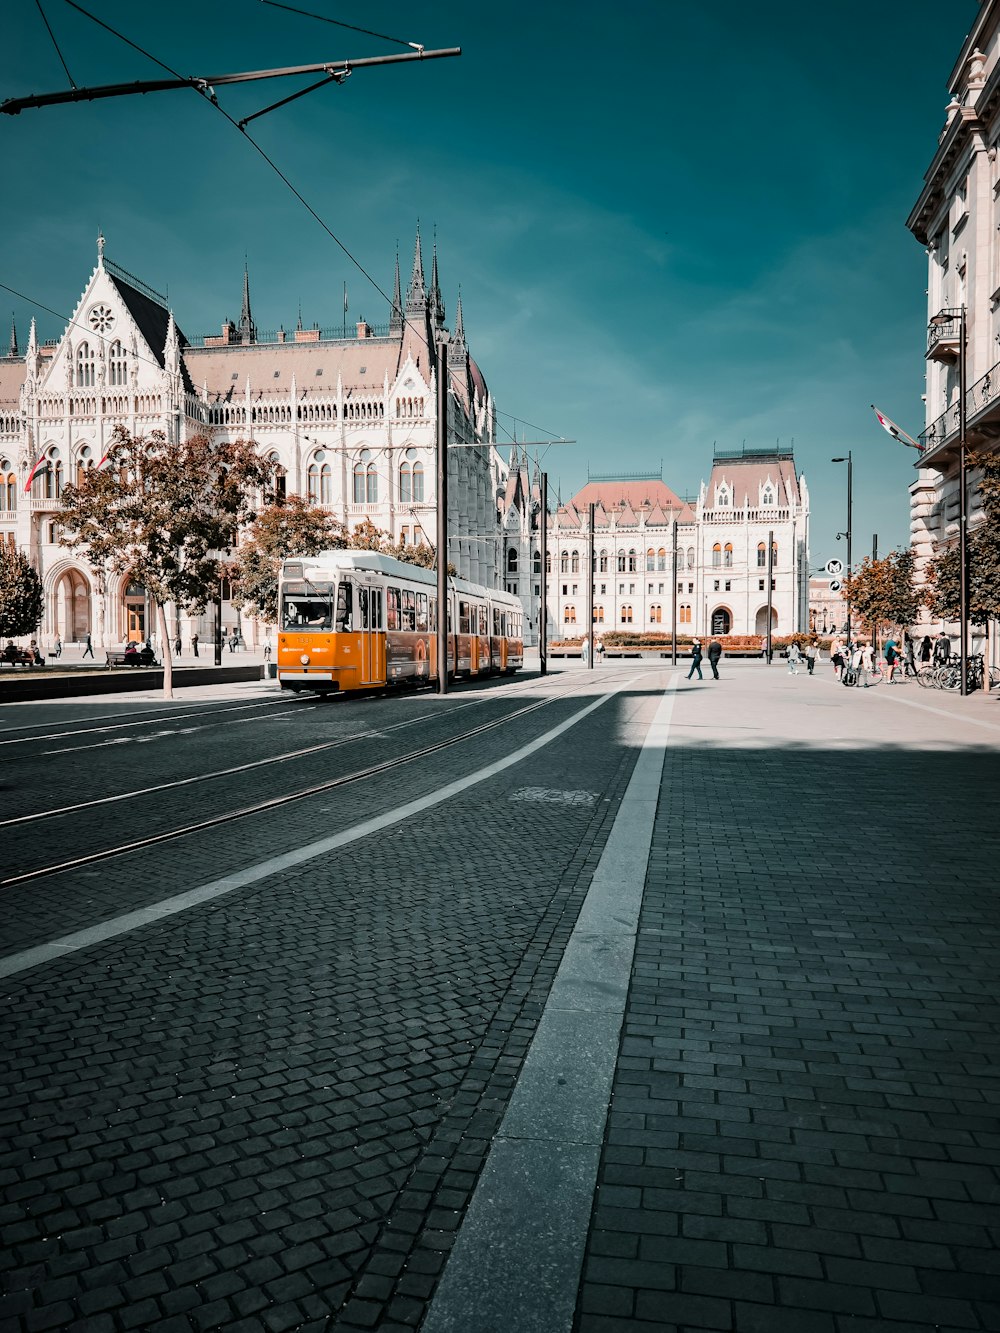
(273, 803)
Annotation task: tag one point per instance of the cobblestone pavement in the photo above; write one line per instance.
(803, 1134)
(271, 1112)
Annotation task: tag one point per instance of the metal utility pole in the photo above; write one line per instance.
(963, 513)
(771, 584)
(590, 590)
(849, 460)
(543, 610)
(336, 71)
(673, 614)
(442, 517)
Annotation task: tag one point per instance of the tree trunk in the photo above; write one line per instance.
(168, 662)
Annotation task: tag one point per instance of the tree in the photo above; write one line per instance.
(882, 592)
(161, 512)
(20, 594)
(289, 527)
(944, 573)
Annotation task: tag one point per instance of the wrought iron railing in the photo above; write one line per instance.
(947, 331)
(980, 397)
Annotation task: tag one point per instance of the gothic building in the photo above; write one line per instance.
(348, 416)
(721, 549)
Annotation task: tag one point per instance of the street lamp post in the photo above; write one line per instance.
(850, 509)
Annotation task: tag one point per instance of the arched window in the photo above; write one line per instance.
(8, 486)
(761, 555)
(326, 485)
(418, 483)
(650, 561)
(690, 557)
(684, 616)
(512, 560)
(717, 556)
(360, 471)
(661, 558)
(603, 562)
(548, 562)
(371, 484)
(598, 615)
(312, 486)
(774, 556)
(536, 563)
(655, 615)
(575, 562)
(625, 616)
(84, 462)
(569, 615)
(727, 555)
(564, 563)
(722, 498)
(621, 562)
(278, 477)
(84, 366)
(52, 484)
(767, 496)
(117, 364)
(405, 483)
(633, 563)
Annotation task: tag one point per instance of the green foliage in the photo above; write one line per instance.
(944, 571)
(20, 594)
(882, 592)
(291, 527)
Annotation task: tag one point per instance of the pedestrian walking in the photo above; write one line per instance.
(714, 653)
(267, 650)
(794, 658)
(891, 659)
(600, 652)
(88, 650)
(695, 660)
(585, 650)
(194, 644)
(177, 646)
(926, 649)
(942, 649)
(837, 658)
(57, 647)
(866, 664)
(811, 656)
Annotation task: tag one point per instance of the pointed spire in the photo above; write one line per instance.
(100, 248)
(172, 348)
(298, 326)
(437, 302)
(248, 329)
(396, 316)
(416, 294)
(12, 350)
(458, 337)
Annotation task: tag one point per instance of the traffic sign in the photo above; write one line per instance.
(835, 567)
(835, 585)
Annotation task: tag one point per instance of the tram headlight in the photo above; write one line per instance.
(304, 659)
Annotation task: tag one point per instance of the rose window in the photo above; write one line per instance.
(102, 319)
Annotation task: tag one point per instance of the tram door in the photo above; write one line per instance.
(370, 625)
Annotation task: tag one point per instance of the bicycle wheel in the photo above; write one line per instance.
(925, 678)
(875, 677)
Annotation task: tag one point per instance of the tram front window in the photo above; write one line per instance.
(300, 612)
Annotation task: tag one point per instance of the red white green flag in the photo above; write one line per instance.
(895, 431)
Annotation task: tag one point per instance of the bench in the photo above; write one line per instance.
(143, 658)
(19, 657)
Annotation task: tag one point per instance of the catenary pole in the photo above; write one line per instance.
(963, 516)
(442, 517)
(673, 614)
(770, 587)
(590, 590)
(543, 609)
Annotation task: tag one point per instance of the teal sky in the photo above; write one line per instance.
(673, 224)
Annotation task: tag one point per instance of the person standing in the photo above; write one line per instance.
(891, 659)
(926, 649)
(57, 647)
(695, 660)
(811, 656)
(794, 658)
(88, 650)
(177, 646)
(866, 662)
(194, 644)
(714, 653)
(600, 652)
(942, 649)
(585, 650)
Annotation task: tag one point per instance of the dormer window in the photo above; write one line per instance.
(767, 496)
(722, 497)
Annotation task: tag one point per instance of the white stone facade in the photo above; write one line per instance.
(350, 421)
(721, 583)
(957, 219)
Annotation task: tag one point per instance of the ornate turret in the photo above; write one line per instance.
(12, 350)
(458, 337)
(248, 329)
(416, 293)
(435, 297)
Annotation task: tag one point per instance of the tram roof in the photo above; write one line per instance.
(378, 563)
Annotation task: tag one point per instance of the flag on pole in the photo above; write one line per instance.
(895, 431)
(345, 298)
(40, 461)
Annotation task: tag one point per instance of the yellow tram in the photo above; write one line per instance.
(358, 620)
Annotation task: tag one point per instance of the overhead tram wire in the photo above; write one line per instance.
(339, 23)
(59, 53)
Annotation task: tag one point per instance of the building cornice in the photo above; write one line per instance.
(957, 139)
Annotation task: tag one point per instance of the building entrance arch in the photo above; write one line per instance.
(135, 607)
(71, 607)
(760, 624)
(722, 620)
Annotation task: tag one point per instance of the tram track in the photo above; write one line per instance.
(271, 803)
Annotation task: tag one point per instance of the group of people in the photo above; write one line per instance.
(714, 653)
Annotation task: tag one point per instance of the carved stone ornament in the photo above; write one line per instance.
(101, 318)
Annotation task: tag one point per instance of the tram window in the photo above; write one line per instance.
(463, 618)
(497, 614)
(449, 617)
(305, 613)
(433, 615)
(345, 608)
(392, 608)
(363, 607)
(375, 607)
(422, 612)
(484, 624)
(409, 610)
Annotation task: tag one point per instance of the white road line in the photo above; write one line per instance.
(518, 1256)
(149, 721)
(275, 865)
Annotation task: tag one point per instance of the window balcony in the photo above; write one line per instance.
(982, 408)
(943, 340)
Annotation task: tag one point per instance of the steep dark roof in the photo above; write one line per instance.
(152, 320)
